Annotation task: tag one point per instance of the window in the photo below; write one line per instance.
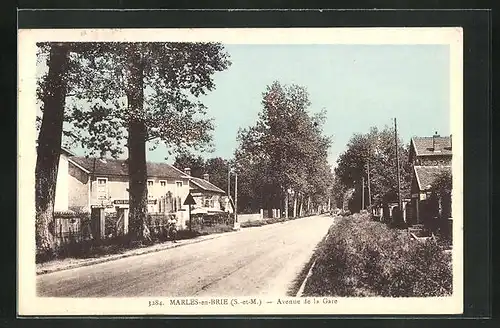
(150, 189)
(102, 188)
(163, 183)
(178, 184)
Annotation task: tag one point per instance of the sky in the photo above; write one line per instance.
(359, 86)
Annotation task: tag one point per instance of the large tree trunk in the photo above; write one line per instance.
(286, 204)
(49, 146)
(295, 205)
(137, 133)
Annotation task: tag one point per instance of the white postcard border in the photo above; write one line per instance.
(30, 304)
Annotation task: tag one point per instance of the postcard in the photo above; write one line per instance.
(255, 171)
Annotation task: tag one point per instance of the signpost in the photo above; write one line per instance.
(189, 201)
(125, 201)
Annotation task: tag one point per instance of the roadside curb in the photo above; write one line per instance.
(144, 251)
(122, 256)
(300, 292)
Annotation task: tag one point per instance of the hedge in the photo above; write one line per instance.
(362, 257)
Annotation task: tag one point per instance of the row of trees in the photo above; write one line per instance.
(372, 157)
(107, 96)
(281, 161)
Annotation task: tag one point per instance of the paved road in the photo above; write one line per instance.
(251, 262)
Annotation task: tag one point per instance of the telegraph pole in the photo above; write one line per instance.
(229, 180)
(235, 197)
(368, 177)
(397, 167)
(286, 204)
(363, 193)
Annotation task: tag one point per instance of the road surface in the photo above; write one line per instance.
(251, 262)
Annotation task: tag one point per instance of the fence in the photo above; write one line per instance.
(250, 217)
(272, 213)
(201, 221)
(71, 227)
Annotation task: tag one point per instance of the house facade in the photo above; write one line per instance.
(430, 157)
(209, 198)
(86, 183)
(62, 199)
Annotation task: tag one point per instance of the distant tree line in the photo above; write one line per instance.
(372, 157)
(282, 160)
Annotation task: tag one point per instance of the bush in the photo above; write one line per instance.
(366, 258)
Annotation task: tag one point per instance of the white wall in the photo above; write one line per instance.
(117, 190)
(61, 199)
(249, 217)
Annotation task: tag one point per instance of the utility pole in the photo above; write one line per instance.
(363, 193)
(397, 167)
(235, 197)
(286, 204)
(229, 180)
(368, 177)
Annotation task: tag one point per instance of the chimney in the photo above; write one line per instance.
(206, 177)
(187, 170)
(435, 145)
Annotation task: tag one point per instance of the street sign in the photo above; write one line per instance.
(189, 200)
(125, 201)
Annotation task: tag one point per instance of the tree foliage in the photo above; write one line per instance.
(374, 151)
(216, 167)
(442, 184)
(175, 75)
(284, 151)
(127, 94)
(188, 160)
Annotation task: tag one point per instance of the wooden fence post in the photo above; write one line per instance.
(125, 221)
(98, 222)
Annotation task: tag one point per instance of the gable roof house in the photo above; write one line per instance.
(84, 183)
(430, 157)
(93, 182)
(209, 198)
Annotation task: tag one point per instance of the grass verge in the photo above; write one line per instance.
(363, 258)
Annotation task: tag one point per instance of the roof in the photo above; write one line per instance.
(119, 167)
(427, 174)
(206, 185)
(424, 146)
(67, 151)
(64, 151)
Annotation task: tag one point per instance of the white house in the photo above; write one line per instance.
(61, 202)
(84, 183)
